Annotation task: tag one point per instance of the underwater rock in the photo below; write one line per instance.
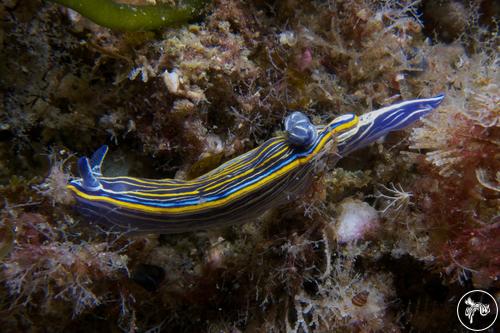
(356, 220)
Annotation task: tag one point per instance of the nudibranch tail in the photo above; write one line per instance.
(374, 125)
(276, 172)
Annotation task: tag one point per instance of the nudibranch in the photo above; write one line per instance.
(243, 188)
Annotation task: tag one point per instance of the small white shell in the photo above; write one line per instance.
(171, 80)
(288, 38)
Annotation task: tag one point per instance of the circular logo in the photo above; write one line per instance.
(477, 310)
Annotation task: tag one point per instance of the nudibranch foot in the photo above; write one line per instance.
(276, 172)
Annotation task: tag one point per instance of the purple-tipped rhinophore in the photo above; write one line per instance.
(88, 180)
(97, 159)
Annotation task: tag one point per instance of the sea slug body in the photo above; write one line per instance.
(274, 173)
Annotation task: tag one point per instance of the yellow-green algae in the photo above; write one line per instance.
(127, 17)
